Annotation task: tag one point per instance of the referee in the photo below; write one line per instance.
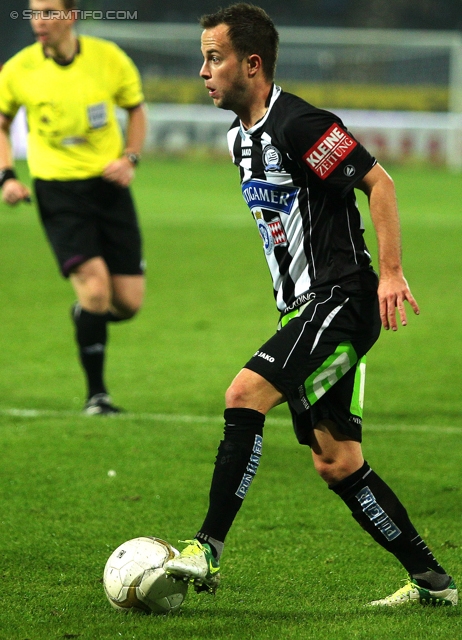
(70, 87)
(299, 167)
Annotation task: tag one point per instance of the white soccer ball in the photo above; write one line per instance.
(134, 577)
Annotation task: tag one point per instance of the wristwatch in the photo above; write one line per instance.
(133, 157)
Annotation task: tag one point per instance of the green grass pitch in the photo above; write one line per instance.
(296, 565)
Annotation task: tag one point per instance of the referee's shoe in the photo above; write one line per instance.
(100, 404)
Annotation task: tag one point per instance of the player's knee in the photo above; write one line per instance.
(96, 301)
(237, 395)
(332, 470)
(126, 309)
(325, 469)
(128, 301)
(234, 396)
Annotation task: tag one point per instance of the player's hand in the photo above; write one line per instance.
(393, 292)
(119, 171)
(14, 192)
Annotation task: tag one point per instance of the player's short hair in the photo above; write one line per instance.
(70, 4)
(250, 30)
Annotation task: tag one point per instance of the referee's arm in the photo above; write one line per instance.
(13, 191)
(136, 129)
(121, 170)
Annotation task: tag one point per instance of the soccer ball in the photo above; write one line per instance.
(134, 577)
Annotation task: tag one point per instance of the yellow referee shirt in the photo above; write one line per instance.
(73, 130)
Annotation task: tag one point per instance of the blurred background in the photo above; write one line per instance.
(392, 69)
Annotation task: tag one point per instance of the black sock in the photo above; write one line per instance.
(378, 510)
(91, 337)
(235, 466)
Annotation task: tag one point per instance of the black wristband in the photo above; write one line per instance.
(6, 174)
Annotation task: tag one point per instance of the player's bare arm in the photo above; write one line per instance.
(13, 191)
(121, 170)
(393, 288)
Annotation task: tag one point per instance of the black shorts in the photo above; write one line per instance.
(84, 219)
(317, 359)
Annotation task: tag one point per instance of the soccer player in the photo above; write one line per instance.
(70, 87)
(299, 167)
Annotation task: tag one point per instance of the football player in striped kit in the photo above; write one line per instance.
(299, 167)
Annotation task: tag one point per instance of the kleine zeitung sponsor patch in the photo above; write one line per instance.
(327, 153)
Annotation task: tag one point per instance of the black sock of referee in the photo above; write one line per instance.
(378, 510)
(91, 337)
(235, 467)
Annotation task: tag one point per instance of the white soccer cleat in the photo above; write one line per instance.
(412, 593)
(196, 564)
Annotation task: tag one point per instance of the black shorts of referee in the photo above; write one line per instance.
(84, 219)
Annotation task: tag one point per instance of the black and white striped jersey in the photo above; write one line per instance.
(298, 167)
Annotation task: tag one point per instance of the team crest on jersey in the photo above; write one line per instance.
(50, 117)
(329, 151)
(272, 233)
(272, 158)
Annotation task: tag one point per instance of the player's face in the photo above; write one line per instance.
(224, 74)
(49, 25)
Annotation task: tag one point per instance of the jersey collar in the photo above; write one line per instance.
(276, 92)
(67, 62)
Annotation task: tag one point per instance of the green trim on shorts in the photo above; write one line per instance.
(330, 372)
(357, 399)
(293, 314)
(285, 319)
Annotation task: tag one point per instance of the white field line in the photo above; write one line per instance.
(184, 419)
